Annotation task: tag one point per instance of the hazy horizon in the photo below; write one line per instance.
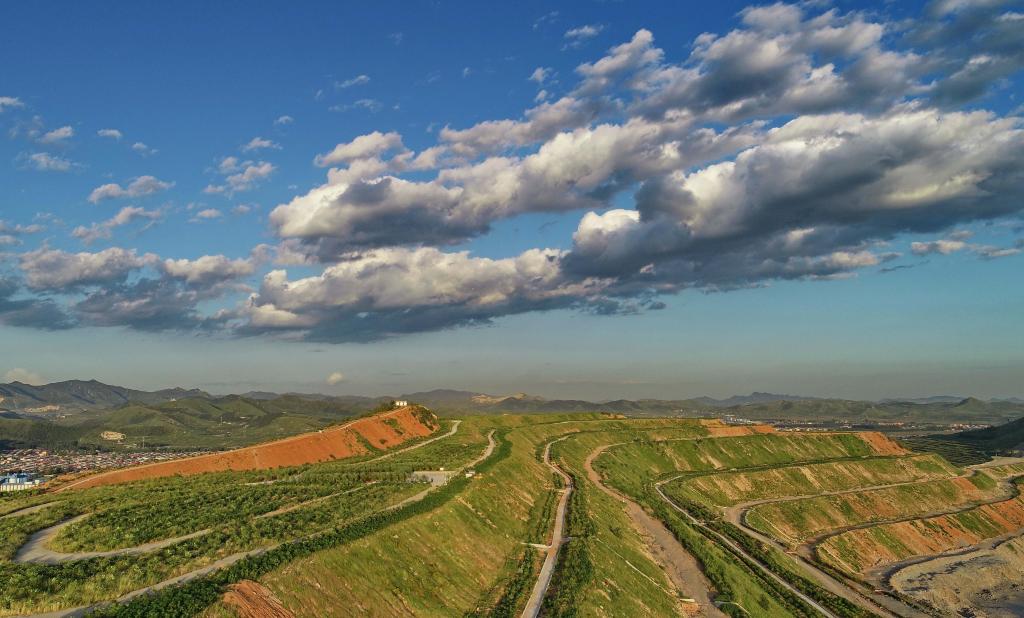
(313, 388)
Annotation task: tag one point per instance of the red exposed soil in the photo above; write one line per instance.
(718, 429)
(252, 600)
(383, 431)
(931, 535)
(882, 444)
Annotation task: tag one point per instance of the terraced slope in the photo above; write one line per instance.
(656, 458)
(470, 557)
(725, 489)
(879, 547)
(797, 521)
(1001, 471)
(636, 469)
(650, 521)
(697, 570)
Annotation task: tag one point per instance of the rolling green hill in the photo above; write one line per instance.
(72, 395)
(195, 423)
(973, 446)
(1001, 438)
(757, 406)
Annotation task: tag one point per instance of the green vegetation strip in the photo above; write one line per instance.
(193, 597)
(575, 568)
(634, 468)
(807, 478)
(517, 588)
(956, 452)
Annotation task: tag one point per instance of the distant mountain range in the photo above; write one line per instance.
(468, 400)
(74, 396)
(182, 424)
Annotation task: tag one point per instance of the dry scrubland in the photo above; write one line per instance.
(665, 517)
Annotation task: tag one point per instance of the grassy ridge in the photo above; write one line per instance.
(196, 596)
(152, 510)
(737, 587)
(461, 550)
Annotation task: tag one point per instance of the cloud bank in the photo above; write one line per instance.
(798, 145)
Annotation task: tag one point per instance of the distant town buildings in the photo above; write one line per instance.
(40, 461)
(18, 482)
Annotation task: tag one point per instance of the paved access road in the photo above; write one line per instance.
(532, 609)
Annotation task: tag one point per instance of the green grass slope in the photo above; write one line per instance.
(194, 423)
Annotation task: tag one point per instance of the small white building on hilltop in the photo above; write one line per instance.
(401, 403)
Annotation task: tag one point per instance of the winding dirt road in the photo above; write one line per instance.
(682, 569)
(880, 576)
(875, 602)
(36, 550)
(76, 612)
(28, 509)
(739, 550)
(867, 598)
(532, 609)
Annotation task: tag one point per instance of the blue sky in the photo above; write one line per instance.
(591, 199)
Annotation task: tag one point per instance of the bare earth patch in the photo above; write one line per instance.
(250, 599)
(383, 431)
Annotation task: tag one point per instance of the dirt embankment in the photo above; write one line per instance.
(873, 549)
(988, 582)
(250, 599)
(725, 489)
(383, 431)
(797, 521)
(682, 569)
(881, 443)
(718, 429)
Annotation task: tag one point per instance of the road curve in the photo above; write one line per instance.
(679, 565)
(454, 429)
(77, 612)
(28, 510)
(804, 553)
(35, 550)
(878, 603)
(739, 550)
(487, 451)
(540, 588)
(881, 575)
